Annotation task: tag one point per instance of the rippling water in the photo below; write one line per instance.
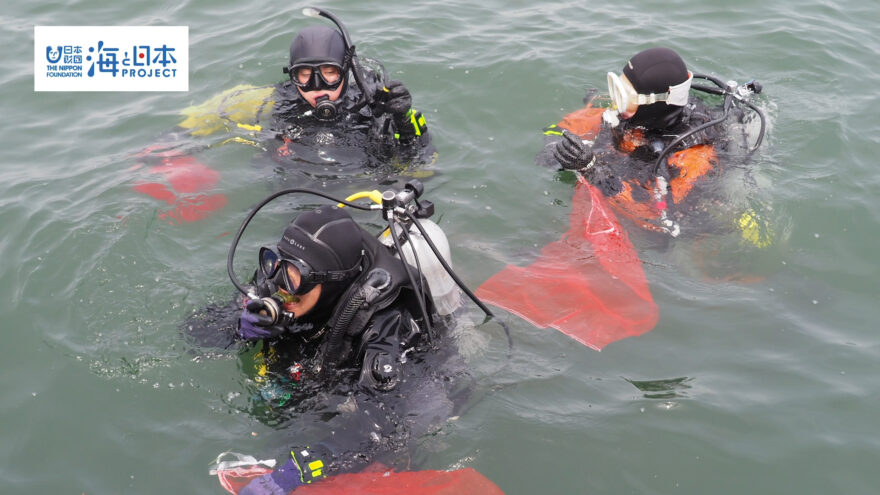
(759, 378)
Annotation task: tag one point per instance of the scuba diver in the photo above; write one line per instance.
(331, 110)
(657, 143)
(351, 326)
(332, 115)
(653, 155)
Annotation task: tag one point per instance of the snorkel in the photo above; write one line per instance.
(366, 98)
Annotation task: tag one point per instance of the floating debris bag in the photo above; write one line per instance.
(589, 284)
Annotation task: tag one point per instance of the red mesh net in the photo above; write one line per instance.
(187, 178)
(589, 284)
(377, 481)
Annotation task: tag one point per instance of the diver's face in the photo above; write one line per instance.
(302, 303)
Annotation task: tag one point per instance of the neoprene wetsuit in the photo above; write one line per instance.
(386, 385)
(626, 154)
(278, 119)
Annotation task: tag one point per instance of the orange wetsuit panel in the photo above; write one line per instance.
(584, 122)
(692, 163)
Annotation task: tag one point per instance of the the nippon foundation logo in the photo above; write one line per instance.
(111, 58)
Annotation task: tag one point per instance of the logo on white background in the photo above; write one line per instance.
(111, 58)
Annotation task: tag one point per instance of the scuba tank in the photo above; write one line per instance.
(444, 291)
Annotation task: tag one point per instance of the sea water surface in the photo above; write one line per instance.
(760, 377)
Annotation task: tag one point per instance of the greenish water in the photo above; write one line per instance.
(764, 383)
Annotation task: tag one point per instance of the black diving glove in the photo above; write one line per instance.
(572, 153)
(396, 100)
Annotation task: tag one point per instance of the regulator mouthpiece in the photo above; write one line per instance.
(324, 108)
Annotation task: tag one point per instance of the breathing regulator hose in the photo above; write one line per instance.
(732, 93)
(400, 209)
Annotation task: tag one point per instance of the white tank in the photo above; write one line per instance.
(446, 294)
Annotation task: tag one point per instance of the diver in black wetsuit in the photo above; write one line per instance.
(323, 105)
(333, 118)
(332, 111)
(345, 330)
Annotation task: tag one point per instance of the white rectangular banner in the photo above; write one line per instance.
(111, 58)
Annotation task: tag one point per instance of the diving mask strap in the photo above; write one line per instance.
(677, 95)
(334, 275)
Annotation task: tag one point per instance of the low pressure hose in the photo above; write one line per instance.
(722, 89)
(409, 275)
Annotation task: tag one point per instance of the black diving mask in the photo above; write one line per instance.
(277, 269)
(315, 77)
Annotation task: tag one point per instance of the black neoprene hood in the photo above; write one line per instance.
(326, 238)
(317, 44)
(654, 70)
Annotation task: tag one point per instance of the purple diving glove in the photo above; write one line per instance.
(254, 324)
(278, 482)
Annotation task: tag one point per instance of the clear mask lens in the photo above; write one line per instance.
(276, 269)
(627, 100)
(623, 95)
(268, 262)
(284, 279)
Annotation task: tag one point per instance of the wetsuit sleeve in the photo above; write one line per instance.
(355, 437)
(411, 126)
(412, 139)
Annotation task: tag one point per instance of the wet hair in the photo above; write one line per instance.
(653, 71)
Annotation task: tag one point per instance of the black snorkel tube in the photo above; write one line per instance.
(732, 92)
(367, 99)
(399, 208)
